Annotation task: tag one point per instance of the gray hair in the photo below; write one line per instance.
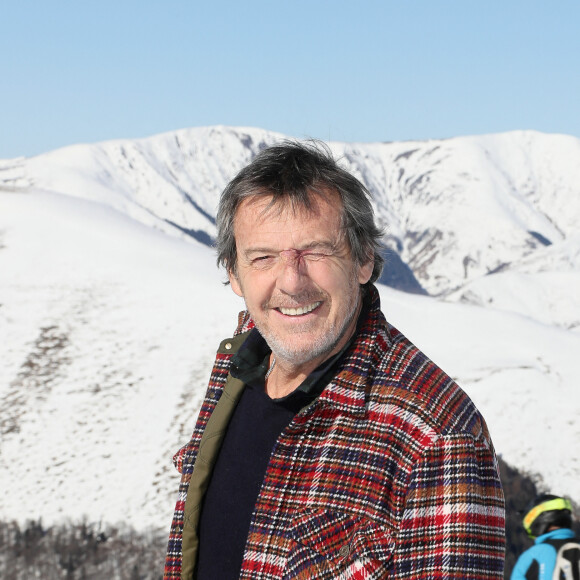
(292, 172)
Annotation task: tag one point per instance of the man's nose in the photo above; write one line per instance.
(292, 271)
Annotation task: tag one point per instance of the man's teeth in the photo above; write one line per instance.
(299, 311)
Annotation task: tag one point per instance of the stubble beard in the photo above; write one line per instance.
(326, 338)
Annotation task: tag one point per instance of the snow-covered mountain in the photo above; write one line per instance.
(455, 210)
(111, 306)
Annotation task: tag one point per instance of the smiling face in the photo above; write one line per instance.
(297, 277)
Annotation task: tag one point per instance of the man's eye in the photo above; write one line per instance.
(313, 256)
(263, 261)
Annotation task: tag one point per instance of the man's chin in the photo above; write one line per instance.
(301, 354)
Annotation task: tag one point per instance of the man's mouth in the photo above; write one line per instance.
(300, 310)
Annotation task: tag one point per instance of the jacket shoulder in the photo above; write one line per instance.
(408, 378)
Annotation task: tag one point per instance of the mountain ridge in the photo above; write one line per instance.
(173, 181)
(110, 315)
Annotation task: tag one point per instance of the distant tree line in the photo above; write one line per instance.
(78, 551)
(85, 551)
(519, 491)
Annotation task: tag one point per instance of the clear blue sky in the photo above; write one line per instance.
(366, 70)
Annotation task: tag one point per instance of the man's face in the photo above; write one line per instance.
(297, 276)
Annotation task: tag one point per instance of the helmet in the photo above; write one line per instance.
(546, 511)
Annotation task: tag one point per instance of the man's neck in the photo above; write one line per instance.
(284, 379)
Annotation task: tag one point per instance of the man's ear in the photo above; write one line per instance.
(365, 272)
(235, 284)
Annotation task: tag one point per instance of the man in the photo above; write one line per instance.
(328, 446)
(548, 522)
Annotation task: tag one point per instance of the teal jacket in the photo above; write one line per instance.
(537, 562)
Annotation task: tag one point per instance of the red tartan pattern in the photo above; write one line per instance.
(390, 473)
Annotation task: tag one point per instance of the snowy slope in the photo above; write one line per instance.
(174, 178)
(104, 363)
(108, 325)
